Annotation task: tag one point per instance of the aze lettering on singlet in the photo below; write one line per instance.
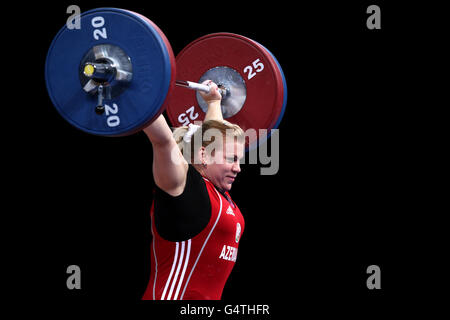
(198, 268)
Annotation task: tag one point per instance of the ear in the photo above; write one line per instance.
(201, 156)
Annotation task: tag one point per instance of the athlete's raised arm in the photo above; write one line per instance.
(213, 100)
(169, 166)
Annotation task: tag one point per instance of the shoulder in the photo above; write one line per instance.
(193, 183)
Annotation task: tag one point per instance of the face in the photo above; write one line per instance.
(223, 167)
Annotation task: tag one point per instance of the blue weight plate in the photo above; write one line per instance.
(283, 108)
(284, 88)
(142, 100)
(284, 92)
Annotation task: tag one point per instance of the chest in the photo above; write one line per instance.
(229, 220)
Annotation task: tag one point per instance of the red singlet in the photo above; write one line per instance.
(197, 269)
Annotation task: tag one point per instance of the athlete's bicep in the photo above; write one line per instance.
(169, 166)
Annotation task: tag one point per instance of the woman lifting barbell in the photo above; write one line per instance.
(123, 82)
(196, 227)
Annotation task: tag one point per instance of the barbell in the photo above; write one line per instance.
(118, 73)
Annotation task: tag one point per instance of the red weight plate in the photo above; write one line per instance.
(264, 100)
(171, 56)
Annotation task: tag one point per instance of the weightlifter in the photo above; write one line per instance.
(195, 224)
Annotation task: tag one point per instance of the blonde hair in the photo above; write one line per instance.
(225, 128)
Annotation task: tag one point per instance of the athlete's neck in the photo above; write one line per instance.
(202, 171)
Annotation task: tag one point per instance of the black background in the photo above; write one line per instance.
(345, 197)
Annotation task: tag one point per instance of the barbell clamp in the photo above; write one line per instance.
(100, 109)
